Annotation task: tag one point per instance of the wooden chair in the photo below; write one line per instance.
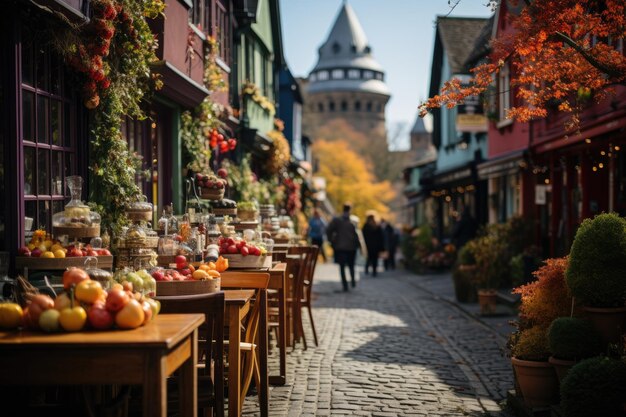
(210, 345)
(302, 286)
(249, 345)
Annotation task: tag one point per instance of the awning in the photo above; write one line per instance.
(509, 163)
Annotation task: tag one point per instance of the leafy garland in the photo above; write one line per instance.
(280, 151)
(197, 125)
(251, 90)
(111, 56)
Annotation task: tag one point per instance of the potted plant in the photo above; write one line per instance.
(548, 297)
(534, 374)
(597, 273)
(571, 339)
(492, 267)
(594, 387)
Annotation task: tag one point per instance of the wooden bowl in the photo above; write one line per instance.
(190, 287)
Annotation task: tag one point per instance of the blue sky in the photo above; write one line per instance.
(401, 34)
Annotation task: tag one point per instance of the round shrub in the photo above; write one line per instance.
(573, 339)
(596, 274)
(532, 345)
(594, 387)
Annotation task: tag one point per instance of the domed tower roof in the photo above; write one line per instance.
(346, 61)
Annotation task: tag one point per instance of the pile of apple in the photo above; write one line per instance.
(46, 247)
(85, 305)
(141, 280)
(210, 181)
(238, 246)
(185, 271)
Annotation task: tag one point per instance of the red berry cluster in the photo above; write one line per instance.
(217, 140)
(88, 59)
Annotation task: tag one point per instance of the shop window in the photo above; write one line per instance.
(199, 14)
(221, 28)
(504, 92)
(320, 107)
(48, 131)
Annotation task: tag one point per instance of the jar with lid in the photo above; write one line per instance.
(140, 210)
(105, 278)
(135, 236)
(213, 234)
(76, 220)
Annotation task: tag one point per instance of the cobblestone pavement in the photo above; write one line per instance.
(392, 347)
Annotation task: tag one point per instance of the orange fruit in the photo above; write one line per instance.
(47, 254)
(59, 253)
(204, 267)
(200, 275)
(213, 273)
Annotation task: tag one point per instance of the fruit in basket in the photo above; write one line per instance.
(74, 252)
(147, 312)
(99, 317)
(73, 319)
(47, 254)
(59, 253)
(130, 316)
(200, 275)
(221, 264)
(116, 300)
(89, 291)
(73, 276)
(23, 251)
(222, 173)
(49, 320)
(36, 253)
(104, 252)
(10, 315)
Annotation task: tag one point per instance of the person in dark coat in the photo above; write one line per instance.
(373, 235)
(344, 240)
(392, 238)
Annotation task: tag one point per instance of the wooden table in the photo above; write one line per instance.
(278, 283)
(146, 355)
(237, 308)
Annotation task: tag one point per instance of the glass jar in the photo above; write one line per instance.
(140, 210)
(135, 237)
(76, 215)
(105, 278)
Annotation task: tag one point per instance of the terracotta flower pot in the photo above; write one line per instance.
(487, 301)
(609, 322)
(537, 381)
(561, 366)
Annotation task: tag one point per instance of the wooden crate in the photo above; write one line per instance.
(43, 264)
(166, 288)
(250, 261)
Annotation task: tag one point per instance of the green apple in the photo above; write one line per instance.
(49, 320)
(136, 280)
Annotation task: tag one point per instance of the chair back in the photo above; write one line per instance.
(211, 340)
(307, 268)
(250, 280)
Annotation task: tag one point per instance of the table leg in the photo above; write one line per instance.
(264, 395)
(188, 381)
(234, 364)
(282, 338)
(155, 386)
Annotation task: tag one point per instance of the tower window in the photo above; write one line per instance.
(379, 107)
(322, 75)
(379, 76)
(337, 74)
(320, 107)
(368, 75)
(368, 106)
(344, 106)
(367, 49)
(357, 105)
(354, 74)
(312, 77)
(336, 48)
(331, 106)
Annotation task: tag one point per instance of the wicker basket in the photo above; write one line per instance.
(211, 193)
(166, 288)
(249, 261)
(247, 215)
(139, 215)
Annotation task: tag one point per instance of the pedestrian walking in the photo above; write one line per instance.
(373, 235)
(391, 239)
(342, 235)
(317, 229)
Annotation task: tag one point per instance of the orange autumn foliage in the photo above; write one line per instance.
(560, 51)
(546, 298)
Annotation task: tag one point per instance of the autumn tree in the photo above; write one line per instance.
(562, 51)
(349, 179)
(375, 153)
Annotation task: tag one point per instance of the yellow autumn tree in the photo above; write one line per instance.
(348, 178)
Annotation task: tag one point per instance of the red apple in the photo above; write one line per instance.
(180, 259)
(158, 275)
(232, 249)
(36, 253)
(244, 251)
(222, 173)
(23, 251)
(104, 252)
(99, 317)
(116, 300)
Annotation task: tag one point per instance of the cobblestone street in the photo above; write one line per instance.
(394, 346)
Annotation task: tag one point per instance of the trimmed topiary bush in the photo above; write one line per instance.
(532, 345)
(594, 387)
(573, 339)
(596, 274)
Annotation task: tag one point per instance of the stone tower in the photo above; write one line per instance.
(347, 83)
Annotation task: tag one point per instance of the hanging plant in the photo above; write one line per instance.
(279, 153)
(111, 57)
(252, 91)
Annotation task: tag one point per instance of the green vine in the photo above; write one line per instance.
(197, 125)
